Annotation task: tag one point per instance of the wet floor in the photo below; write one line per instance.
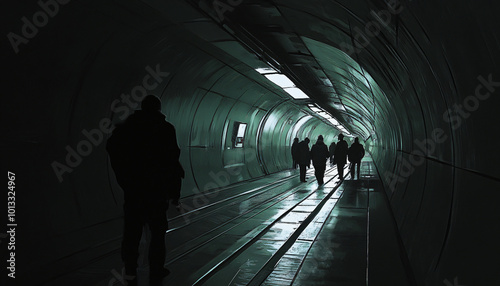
(279, 231)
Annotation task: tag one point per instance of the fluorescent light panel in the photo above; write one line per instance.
(334, 121)
(328, 117)
(315, 109)
(280, 80)
(296, 93)
(265, 70)
(283, 81)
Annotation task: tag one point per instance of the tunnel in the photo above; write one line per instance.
(416, 81)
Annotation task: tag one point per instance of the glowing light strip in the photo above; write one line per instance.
(329, 118)
(282, 81)
(265, 70)
(296, 93)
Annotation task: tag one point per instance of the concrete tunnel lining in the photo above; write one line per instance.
(431, 58)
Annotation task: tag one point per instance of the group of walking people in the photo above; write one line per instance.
(144, 155)
(338, 153)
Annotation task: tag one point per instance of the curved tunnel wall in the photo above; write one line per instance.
(67, 77)
(204, 113)
(442, 189)
(83, 83)
(434, 63)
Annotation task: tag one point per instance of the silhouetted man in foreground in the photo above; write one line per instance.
(145, 157)
(304, 158)
(295, 152)
(319, 155)
(356, 153)
(341, 155)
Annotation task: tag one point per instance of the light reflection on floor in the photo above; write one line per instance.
(291, 233)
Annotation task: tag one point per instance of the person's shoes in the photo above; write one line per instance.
(129, 277)
(132, 282)
(156, 276)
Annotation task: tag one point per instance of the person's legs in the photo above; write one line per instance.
(132, 232)
(158, 224)
(317, 174)
(302, 172)
(359, 167)
(352, 170)
(320, 173)
(340, 170)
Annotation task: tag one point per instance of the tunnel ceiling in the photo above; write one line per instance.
(302, 41)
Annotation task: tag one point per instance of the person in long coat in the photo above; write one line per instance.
(295, 152)
(319, 156)
(145, 158)
(341, 155)
(303, 158)
(331, 150)
(356, 153)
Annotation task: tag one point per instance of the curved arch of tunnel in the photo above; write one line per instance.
(89, 67)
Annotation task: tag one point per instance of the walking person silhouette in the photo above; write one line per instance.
(304, 158)
(331, 150)
(319, 155)
(341, 155)
(355, 154)
(295, 152)
(145, 158)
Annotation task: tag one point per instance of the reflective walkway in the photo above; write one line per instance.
(278, 231)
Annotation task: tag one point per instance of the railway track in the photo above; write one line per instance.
(226, 238)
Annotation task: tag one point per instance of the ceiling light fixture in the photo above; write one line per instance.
(283, 81)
